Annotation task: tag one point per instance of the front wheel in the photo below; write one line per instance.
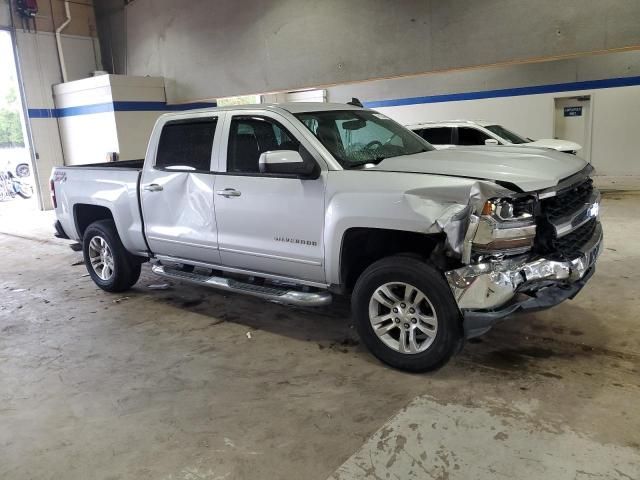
(406, 314)
(109, 264)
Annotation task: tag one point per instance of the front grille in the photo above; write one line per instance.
(569, 245)
(567, 201)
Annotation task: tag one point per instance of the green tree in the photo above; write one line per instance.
(10, 126)
(12, 96)
(10, 129)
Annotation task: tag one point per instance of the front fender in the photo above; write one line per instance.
(416, 203)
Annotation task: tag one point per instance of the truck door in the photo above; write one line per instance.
(176, 190)
(267, 223)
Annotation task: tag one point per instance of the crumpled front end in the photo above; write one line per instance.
(527, 254)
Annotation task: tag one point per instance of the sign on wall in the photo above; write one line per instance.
(572, 111)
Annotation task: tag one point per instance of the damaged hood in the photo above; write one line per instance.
(528, 168)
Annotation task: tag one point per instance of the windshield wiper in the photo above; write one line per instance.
(377, 160)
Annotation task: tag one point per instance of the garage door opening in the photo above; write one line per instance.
(573, 122)
(17, 184)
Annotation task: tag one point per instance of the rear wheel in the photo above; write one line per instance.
(109, 264)
(406, 315)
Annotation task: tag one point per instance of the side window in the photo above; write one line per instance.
(249, 137)
(186, 144)
(437, 136)
(471, 136)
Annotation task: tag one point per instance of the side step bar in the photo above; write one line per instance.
(275, 294)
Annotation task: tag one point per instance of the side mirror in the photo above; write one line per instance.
(287, 162)
(491, 141)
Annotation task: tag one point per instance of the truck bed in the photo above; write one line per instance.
(128, 164)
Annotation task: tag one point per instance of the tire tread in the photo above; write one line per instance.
(127, 268)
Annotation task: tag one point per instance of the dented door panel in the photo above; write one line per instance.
(179, 219)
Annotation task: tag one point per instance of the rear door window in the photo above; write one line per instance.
(186, 144)
(437, 135)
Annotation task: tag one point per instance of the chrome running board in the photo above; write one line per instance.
(272, 293)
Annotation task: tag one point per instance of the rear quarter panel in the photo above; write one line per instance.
(113, 188)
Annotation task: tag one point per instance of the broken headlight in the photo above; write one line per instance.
(506, 226)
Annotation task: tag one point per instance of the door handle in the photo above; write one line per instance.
(152, 187)
(229, 192)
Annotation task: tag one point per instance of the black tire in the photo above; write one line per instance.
(23, 170)
(407, 270)
(126, 268)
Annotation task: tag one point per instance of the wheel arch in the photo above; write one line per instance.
(85, 214)
(362, 246)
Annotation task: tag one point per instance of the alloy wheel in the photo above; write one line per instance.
(101, 258)
(403, 317)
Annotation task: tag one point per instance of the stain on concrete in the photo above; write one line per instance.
(191, 303)
(551, 375)
(513, 359)
(500, 436)
(464, 449)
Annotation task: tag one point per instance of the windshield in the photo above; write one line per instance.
(507, 134)
(358, 137)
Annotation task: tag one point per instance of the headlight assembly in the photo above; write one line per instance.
(506, 226)
(510, 209)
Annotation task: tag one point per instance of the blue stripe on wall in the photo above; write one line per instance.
(159, 106)
(84, 110)
(452, 97)
(115, 107)
(509, 92)
(41, 113)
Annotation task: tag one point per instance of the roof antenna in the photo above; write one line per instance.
(355, 102)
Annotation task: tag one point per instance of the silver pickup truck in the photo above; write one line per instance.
(295, 203)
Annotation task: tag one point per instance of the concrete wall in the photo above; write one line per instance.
(216, 49)
(111, 25)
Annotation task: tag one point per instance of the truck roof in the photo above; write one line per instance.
(448, 123)
(291, 107)
(301, 107)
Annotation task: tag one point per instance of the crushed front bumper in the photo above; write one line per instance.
(487, 292)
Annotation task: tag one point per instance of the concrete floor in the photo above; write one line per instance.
(166, 384)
